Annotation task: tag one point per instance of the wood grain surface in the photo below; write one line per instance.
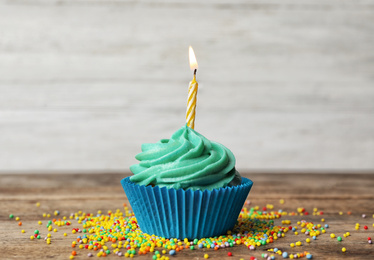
(92, 192)
(284, 84)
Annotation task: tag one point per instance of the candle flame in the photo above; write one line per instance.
(193, 62)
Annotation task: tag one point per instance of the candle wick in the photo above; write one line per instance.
(194, 72)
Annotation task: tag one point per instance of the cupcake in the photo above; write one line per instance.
(186, 187)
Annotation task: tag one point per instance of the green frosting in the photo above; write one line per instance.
(187, 160)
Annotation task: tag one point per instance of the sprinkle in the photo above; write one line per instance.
(339, 239)
(309, 256)
(365, 227)
(20, 223)
(284, 254)
(332, 235)
(229, 254)
(172, 252)
(11, 216)
(344, 249)
(17, 218)
(38, 204)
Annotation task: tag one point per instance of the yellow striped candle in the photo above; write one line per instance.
(192, 92)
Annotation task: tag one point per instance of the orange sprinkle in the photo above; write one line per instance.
(20, 223)
(74, 253)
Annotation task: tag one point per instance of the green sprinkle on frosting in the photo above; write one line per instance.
(187, 160)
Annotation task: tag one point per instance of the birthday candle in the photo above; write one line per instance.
(192, 92)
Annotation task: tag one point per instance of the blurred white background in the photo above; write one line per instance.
(286, 85)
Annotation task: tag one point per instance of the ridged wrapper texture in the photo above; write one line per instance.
(172, 213)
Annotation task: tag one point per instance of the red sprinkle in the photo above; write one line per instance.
(229, 254)
(369, 238)
(365, 227)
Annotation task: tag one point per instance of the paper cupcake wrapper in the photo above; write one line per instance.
(172, 213)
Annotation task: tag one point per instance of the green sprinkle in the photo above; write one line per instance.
(339, 239)
(11, 216)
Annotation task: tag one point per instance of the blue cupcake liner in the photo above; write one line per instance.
(172, 213)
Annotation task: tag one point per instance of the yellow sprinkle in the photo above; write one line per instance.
(292, 245)
(65, 234)
(308, 240)
(23, 231)
(39, 222)
(48, 235)
(55, 230)
(38, 204)
(340, 213)
(323, 220)
(31, 237)
(332, 235)
(71, 257)
(206, 256)
(44, 215)
(344, 249)
(17, 218)
(281, 201)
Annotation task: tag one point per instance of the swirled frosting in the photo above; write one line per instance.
(187, 160)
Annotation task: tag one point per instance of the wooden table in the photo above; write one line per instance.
(330, 193)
